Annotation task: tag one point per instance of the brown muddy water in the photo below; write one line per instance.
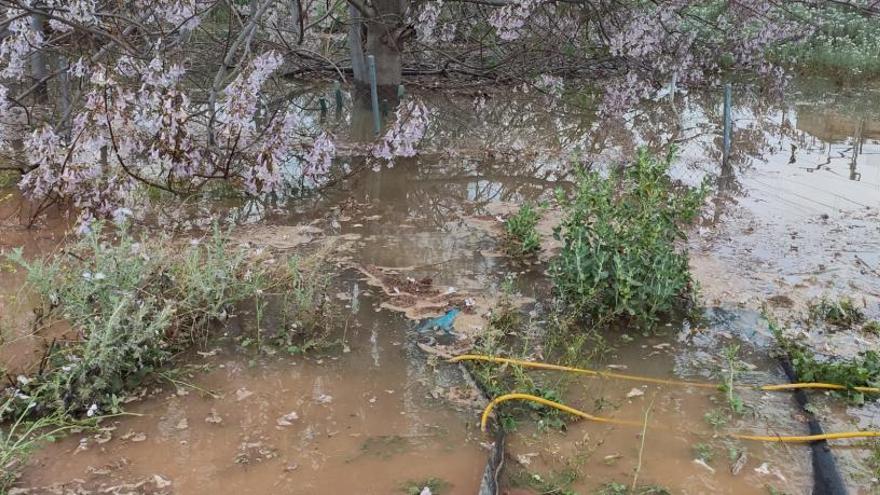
(795, 216)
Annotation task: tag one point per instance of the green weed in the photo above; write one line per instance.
(619, 256)
(729, 386)
(715, 418)
(874, 457)
(437, 486)
(840, 313)
(860, 371)
(522, 238)
(872, 326)
(557, 482)
(704, 452)
(21, 436)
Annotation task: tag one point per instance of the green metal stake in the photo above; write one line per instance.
(374, 94)
(728, 124)
(384, 107)
(337, 90)
(323, 103)
(401, 92)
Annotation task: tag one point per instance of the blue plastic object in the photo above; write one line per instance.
(442, 323)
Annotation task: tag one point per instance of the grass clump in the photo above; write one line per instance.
(522, 236)
(620, 257)
(841, 313)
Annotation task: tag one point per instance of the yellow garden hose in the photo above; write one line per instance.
(645, 379)
(576, 412)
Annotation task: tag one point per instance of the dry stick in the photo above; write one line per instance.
(641, 447)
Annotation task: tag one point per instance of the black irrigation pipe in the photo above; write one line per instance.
(489, 482)
(826, 476)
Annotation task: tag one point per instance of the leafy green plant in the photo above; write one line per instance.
(860, 371)
(619, 256)
(522, 237)
(840, 313)
(715, 418)
(704, 452)
(729, 386)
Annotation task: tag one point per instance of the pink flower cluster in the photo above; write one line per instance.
(405, 134)
(509, 20)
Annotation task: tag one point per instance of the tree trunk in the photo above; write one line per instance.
(39, 69)
(385, 34)
(356, 45)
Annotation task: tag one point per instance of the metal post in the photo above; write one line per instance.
(401, 92)
(374, 94)
(323, 102)
(728, 124)
(338, 92)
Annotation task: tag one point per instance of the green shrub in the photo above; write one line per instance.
(845, 44)
(619, 256)
(522, 238)
(132, 306)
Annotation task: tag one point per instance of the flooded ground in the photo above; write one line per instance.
(364, 421)
(793, 217)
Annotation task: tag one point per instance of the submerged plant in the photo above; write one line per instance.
(434, 486)
(619, 256)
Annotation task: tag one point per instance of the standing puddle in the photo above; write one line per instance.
(360, 422)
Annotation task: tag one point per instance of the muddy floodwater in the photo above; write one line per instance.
(793, 216)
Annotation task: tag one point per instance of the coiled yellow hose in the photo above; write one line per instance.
(577, 412)
(646, 379)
